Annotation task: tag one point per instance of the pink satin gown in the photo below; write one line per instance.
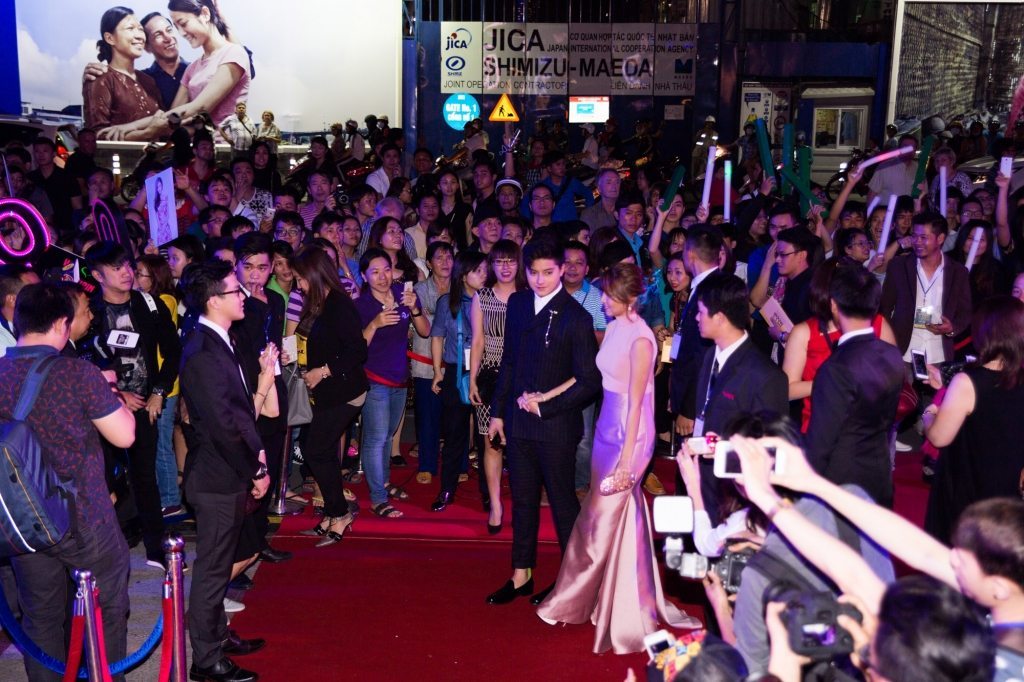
(609, 574)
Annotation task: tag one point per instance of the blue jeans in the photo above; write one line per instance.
(166, 462)
(428, 425)
(381, 414)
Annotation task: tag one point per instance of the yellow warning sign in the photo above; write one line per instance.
(504, 112)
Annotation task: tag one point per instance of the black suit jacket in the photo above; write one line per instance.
(531, 364)
(749, 382)
(853, 404)
(263, 323)
(336, 340)
(899, 299)
(224, 455)
(686, 366)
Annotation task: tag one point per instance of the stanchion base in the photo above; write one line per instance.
(290, 509)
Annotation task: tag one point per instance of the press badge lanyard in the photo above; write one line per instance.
(698, 424)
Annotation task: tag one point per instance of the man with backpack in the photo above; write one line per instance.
(73, 407)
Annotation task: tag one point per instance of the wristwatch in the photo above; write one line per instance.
(261, 473)
(159, 391)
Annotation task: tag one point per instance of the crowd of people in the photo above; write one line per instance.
(562, 332)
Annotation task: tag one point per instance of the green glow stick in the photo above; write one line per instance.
(922, 164)
(673, 187)
(766, 151)
(801, 186)
(804, 159)
(787, 152)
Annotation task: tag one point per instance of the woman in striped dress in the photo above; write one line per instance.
(505, 277)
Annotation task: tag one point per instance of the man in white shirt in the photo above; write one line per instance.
(238, 129)
(12, 279)
(391, 168)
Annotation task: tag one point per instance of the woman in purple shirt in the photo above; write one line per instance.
(386, 309)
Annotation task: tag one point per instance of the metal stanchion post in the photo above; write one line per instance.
(86, 601)
(280, 506)
(174, 547)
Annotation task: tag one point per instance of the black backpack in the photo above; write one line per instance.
(36, 506)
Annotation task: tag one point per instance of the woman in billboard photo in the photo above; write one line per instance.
(213, 83)
(121, 95)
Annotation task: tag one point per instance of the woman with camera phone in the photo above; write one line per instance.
(608, 575)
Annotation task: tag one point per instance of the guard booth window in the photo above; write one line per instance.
(839, 127)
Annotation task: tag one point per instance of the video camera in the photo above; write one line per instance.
(674, 516)
(811, 621)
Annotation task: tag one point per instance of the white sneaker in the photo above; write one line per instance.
(903, 447)
(232, 606)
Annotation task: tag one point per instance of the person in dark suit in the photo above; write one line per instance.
(262, 325)
(735, 377)
(225, 460)
(912, 284)
(855, 392)
(700, 257)
(549, 349)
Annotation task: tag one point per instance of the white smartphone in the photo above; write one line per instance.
(917, 359)
(673, 514)
(122, 339)
(407, 286)
(727, 462)
(1006, 166)
(657, 642)
(702, 445)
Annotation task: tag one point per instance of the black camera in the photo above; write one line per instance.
(729, 567)
(810, 619)
(341, 197)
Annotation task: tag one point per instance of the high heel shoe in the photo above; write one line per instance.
(494, 530)
(330, 536)
(318, 529)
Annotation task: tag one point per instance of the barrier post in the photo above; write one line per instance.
(85, 604)
(174, 547)
(280, 506)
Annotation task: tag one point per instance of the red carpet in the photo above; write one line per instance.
(404, 598)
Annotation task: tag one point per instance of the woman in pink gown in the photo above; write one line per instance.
(609, 575)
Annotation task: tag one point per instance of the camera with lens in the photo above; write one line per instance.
(341, 197)
(728, 567)
(674, 516)
(811, 620)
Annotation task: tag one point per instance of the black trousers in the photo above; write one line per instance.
(142, 477)
(455, 423)
(531, 464)
(44, 579)
(320, 451)
(253, 537)
(218, 523)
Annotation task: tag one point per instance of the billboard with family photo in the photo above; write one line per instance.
(137, 70)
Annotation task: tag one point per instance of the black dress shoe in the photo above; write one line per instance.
(442, 501)
(509, 591)
(542, 595)
(236, 646)
(242, 582)
(223, 670)
(275, 556)
(493, 530)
